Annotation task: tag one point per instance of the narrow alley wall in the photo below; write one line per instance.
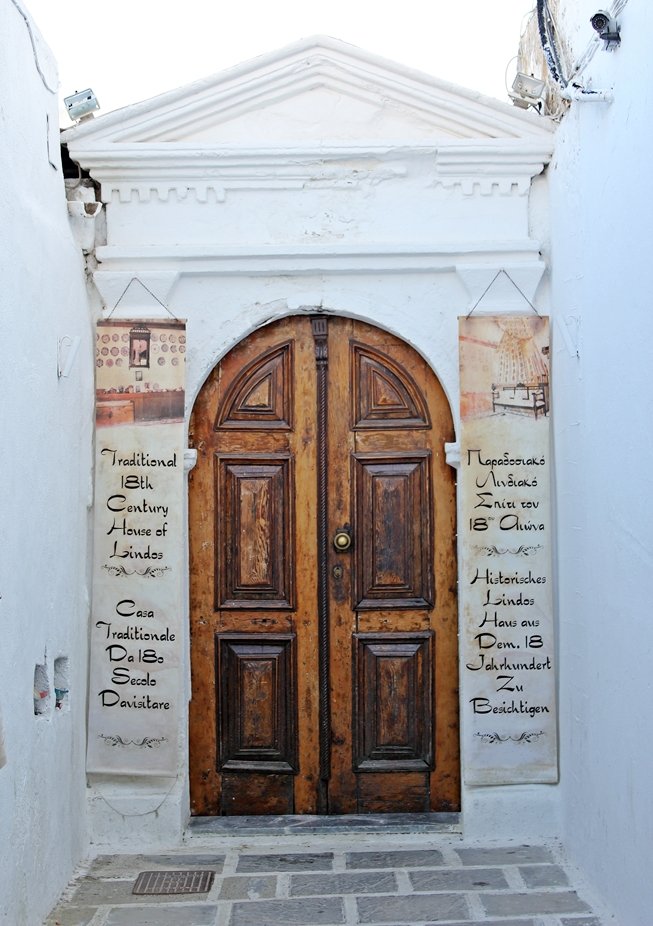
(601, 205)
(45, 461)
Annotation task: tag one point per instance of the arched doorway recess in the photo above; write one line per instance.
(323, 578)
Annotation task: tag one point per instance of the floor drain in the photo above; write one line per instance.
(174, 882)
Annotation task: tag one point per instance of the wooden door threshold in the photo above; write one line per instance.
(429, 823)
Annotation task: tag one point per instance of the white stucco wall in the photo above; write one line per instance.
(45, 456)
(601, 207)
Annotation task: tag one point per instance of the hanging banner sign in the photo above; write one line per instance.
(135, 684)
(508, 677)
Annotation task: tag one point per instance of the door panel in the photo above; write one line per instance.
(257, 718)
(392, 526)
(324, 679)
(383, 392)
(260, 397)
(254, 561)
(393, 710)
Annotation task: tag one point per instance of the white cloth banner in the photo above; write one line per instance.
(508, 705)
(136, 641)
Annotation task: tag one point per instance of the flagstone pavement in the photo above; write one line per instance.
(337, 880)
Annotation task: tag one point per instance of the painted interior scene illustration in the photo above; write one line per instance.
(504, 362)
(140, 371)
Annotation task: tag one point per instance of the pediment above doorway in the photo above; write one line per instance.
(321, 112)
(314, 159)
(316, 92)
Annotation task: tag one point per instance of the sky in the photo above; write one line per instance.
(130, 50)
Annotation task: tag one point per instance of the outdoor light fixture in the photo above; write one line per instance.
(607, 28)
(80, 104)
(526, 91)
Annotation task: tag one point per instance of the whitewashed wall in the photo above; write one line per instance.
(45, 455)
(601, 206)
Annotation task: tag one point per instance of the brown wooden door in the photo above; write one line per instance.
(324, 678)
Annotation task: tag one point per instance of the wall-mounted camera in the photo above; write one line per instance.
(607, 28)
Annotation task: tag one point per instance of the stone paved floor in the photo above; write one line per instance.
(382, 881)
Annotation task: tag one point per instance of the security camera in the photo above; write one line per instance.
(600, 21)
(607, 27)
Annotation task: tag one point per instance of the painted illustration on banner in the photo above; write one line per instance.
(136, 645)
(139, 372)
(508, 703)
(504, 366)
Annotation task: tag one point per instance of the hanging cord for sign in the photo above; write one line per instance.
(491, 284)
(140, 813)
(136, 280)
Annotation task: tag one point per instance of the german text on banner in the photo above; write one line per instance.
(508, 676)
(136, 641)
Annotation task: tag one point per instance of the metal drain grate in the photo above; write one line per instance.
(194, 881)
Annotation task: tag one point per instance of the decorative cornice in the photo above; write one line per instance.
(118, 264)
(144, 172)
(486, 168)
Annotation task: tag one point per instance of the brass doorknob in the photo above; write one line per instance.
(342, 540)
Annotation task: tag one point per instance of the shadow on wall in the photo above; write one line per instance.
(3, 754)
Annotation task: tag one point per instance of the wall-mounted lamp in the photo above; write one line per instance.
(607, 28)
(527, 91)
(81, 104)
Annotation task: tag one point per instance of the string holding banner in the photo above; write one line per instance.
(147, 290)
(491, 284)
(139, 813)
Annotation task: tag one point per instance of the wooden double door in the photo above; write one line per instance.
(323, 578)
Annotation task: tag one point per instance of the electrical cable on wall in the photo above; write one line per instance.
(34, 50)
(546, 28)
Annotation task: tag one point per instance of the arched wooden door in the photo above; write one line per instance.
(323, 578)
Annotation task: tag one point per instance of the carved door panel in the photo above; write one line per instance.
(324, 674)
